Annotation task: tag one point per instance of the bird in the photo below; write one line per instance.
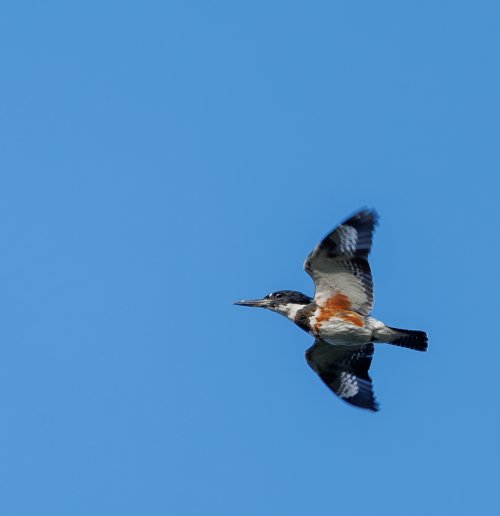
(338, 316)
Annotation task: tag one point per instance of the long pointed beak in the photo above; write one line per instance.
(262, 303)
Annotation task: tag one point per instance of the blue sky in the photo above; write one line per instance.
(163, 159)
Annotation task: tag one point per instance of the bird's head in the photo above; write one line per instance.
(285, 302)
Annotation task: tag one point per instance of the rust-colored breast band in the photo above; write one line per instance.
(338, 306)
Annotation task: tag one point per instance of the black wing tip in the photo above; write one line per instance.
(364, 215)
(365, 399)
(372, 406)
(361, 402)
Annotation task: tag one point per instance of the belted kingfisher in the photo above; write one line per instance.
(338, 316)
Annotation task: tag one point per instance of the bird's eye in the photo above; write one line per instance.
(277, 295)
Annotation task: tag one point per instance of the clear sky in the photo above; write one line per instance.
(160, 160)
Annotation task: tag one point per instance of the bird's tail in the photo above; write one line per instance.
(412, 339)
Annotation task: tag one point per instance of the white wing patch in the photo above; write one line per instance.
(348, 237)
(348, 387)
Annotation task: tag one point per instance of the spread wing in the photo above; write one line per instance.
(345, 372)
(339, 264)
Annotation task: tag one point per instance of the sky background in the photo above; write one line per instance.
(160, 160)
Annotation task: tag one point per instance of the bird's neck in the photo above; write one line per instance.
(290, 310)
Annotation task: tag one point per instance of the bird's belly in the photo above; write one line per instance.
(339, 332)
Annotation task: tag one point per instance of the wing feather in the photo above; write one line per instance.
(345, 372)
(339, 264)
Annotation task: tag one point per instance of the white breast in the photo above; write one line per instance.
(339, 332)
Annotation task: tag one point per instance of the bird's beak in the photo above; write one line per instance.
(262, 303)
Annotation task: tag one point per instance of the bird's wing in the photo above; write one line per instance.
(339, 264)
(345, 372)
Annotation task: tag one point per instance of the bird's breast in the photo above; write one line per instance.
(337, 330)
(333, 321)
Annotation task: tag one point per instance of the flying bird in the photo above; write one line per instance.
(338, 316)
